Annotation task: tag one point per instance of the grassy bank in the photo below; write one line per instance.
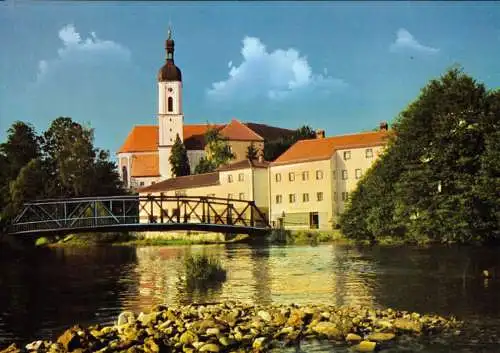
(306, 237)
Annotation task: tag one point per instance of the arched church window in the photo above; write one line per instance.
(170, 104)
(125, 176)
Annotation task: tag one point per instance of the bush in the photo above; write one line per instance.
(202, 270)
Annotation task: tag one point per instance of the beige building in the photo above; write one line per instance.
(310, 183)
(244, 180)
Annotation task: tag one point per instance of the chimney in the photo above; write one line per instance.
(384, 126)
(320, 133)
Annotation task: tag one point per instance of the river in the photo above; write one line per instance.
(47, 290)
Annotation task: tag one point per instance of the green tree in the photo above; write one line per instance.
(22, 146)
(68, 148)
(204, 166)
(252, 152)
(179, 159)
(430, 184)
(218, 152)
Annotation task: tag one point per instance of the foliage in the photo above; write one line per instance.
(204, 166)
(202, 270)
(218, 152)
(439, 178)
(61, 163)
(179, 159)
(252, 152)
(273, 149)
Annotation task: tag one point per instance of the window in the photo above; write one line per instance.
(278, 177)
(357, 173)
(141, 183)
(229, 196)
(335, 196)
(319, 196)
(345, 196)
(125, 176)
(344, 174)
(279, 199)
(291, 176)
(170, 104)
(291, 198)
(153, 182)
(319, 174)
(334, 175)
(242, 196)
(347, 155)
(229, 178)
(305, 197)
(305, 176)
(241, 177)
(369, 153)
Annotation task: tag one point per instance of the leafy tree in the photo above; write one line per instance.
(179, 159)
(218, 152)
(29, 184)
(68, 148)
(430, 184)
(204, 166)
(22, 146)
(252, 152)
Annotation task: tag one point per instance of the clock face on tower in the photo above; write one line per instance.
(170, 89)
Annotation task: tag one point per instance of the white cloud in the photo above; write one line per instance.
(78, 50)
(406, 41)
(275, 75)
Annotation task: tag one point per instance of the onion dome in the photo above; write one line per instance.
(169, 72)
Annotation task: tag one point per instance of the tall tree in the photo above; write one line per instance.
(430, 182)
(68, 147)
(22, 146)
(179, 159)
(218, 152)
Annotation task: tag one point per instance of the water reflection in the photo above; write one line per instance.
(50, 289)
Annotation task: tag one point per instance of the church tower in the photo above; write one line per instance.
(170, 115)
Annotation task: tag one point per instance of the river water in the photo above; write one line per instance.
(47, 290)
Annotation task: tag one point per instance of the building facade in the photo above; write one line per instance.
(310, 183)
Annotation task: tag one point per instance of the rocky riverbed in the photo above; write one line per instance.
(236, 327)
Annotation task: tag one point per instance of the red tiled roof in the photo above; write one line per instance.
(145, 165)
(323, 148)
(236, 131)
(184, 182)
(244, 164)
(142, 138)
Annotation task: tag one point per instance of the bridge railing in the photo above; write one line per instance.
(96, 212)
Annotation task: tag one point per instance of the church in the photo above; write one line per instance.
(143, 159)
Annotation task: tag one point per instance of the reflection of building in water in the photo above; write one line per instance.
(323, 274)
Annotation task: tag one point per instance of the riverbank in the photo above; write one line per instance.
(276, 236)
(236, 327)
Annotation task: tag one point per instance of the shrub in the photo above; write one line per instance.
(202, 270)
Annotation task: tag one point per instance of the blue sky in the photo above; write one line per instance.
(341, 66)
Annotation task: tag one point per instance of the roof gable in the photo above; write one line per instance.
(269, 133)
(237, 131)
(319, 149)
